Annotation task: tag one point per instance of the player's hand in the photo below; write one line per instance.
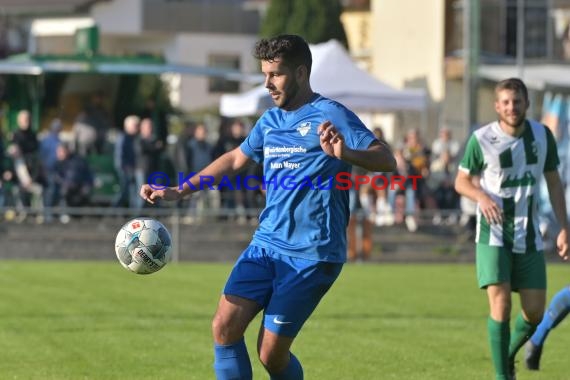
(152, 195)
(332, 141)
(562, 244)
(490, 210)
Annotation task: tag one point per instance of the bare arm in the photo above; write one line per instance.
(556, 193)
(490, 210)
(377, 158)
(228, 164)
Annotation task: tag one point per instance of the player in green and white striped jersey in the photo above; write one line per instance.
(509, 157)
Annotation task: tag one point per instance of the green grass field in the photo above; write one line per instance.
(78, 320)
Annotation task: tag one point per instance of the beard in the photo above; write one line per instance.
(287, 96)
(514, 121)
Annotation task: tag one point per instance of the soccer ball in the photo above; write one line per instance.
(143, 245)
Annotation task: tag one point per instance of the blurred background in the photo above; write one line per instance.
(97, 95)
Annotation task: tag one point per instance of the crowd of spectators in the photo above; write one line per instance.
(43, 171)
(49, 171)
(38, 174)
(429, 172)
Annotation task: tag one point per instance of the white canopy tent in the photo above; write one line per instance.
(336, 76)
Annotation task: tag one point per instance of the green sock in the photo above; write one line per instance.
(499, 334)
(522, 332)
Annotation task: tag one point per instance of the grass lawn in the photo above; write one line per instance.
(84, 320)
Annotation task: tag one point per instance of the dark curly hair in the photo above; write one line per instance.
(293, 50)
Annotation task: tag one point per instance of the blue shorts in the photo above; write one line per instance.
(287, 288)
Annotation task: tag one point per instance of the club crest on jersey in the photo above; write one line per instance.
(304, 128)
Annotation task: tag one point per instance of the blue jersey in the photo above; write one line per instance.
(306, 214)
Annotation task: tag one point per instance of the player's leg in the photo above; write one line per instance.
(529, 279)
(274, 353)
(248, 288)
(556, 312)
(493, 274)
(300, 284)
(532, 309)
(498, 327)
(228, 327)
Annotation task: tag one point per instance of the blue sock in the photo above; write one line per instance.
(556, 312)
(231, 362)
(294, 371)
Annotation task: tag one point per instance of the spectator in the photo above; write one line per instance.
(199, 154)
(444, 143)
(48, 158)
(24, 136)
(198, 151)
(159, 120)
(361, 214)
(151, 148)
(74, 177)
(381, 200)
(405, 202)
(27, 193)
(441, 182)
(181, 157)
(28, 146)
(417, 154)
(127, 155)
(232, 200)
(84, 135)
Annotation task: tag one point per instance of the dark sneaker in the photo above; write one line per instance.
(532, 356)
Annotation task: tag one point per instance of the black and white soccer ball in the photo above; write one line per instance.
(143, 245)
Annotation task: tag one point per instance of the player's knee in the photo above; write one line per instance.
(221, 330)
(273, 361)
(501, 309)
(534, 317)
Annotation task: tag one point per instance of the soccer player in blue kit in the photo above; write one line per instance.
(299, 247)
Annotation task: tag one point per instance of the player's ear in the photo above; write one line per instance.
(301, 73)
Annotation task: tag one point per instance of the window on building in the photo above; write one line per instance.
(535, 22)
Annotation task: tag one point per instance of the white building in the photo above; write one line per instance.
(218, 34)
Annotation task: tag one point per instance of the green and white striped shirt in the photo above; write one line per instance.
(510, 169)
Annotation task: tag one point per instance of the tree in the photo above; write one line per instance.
(316, 20)
(276, 18)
